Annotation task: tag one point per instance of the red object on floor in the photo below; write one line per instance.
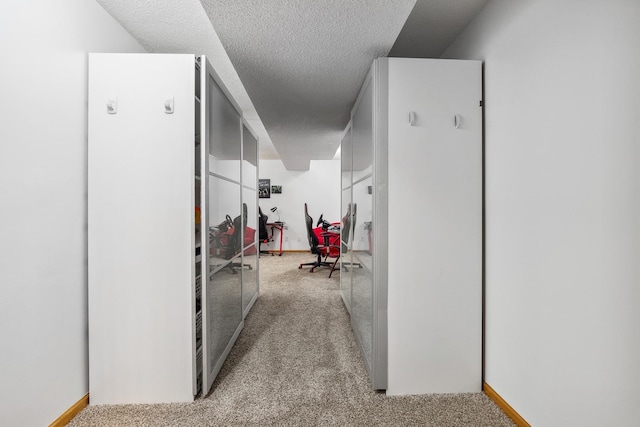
(330, 239)
(249, 238)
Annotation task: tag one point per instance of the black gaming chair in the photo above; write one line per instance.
(322, 251)
(237, 238)
(263, 234)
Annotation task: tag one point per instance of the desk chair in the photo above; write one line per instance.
(219, 239)
(263, 236)
(322, 251)
(237, 238)
(348, 228)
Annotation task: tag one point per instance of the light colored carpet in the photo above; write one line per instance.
(296, 363)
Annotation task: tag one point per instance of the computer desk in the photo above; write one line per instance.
(278, 225)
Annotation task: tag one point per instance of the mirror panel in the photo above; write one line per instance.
(224, 134)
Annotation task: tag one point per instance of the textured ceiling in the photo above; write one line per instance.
(303, 61)
(295, 66)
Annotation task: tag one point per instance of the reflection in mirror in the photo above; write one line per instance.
(250, 198)
(346, 259)
(362, 309)
(362, 278)
(239, 236)
(224, 208)
(249, 159)
(224, 310)
(346, 236)
(249, 276)
(362, 135)
(224, 134)
(346, 149)
(363, 218)
(346, 228)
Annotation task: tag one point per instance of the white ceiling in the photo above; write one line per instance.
(303, 61)
(295, 66)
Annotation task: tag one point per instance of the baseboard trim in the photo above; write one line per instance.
(506, 408)
(68, 415)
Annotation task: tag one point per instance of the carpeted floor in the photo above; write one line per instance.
(296, 363)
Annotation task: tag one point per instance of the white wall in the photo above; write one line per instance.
(562, 99)
(43, 168)
(319, 187)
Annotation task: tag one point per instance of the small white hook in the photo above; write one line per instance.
(457, 121)
(112, 105)
(412, 118)
(168, 106)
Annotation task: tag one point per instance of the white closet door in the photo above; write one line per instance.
(435, 226)
(141, 227)
(362, 279)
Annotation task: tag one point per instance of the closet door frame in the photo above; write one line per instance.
(210, 375)
(250, 186)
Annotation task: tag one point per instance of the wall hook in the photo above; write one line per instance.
(412, 118)
(457, 121)
(112, 105)
(168, 106)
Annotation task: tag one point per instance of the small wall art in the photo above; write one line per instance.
(264, 188)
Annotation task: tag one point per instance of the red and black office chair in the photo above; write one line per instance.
(328, 249)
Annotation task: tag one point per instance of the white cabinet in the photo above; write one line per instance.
(412, 186)
(165, 166)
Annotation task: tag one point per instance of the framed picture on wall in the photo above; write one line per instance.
(276, 189)
(264, 188)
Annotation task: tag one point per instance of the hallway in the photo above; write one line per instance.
(297, 363)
